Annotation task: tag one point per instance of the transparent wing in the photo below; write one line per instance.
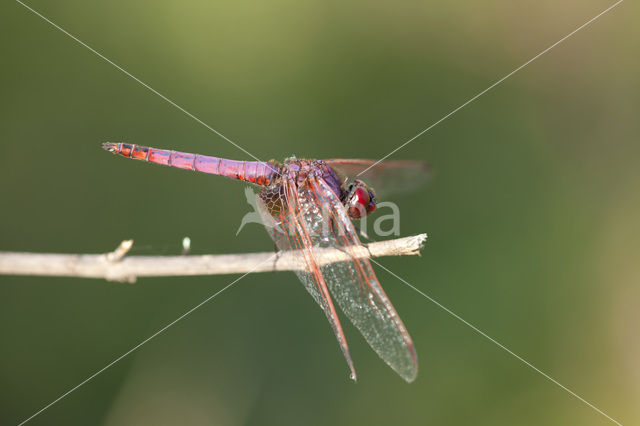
(319, 221)
(357, 291)
(293, 231)
(387, 177)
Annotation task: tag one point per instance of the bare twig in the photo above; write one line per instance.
(115, 266)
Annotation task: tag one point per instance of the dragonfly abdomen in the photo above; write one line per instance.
(258, 172)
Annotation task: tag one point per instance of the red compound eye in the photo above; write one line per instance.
(360, 200)
(359, 205)
(362, 196)
(370, 207)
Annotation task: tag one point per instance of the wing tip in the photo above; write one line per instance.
(411, 376)
(414, 358)
(408, 370)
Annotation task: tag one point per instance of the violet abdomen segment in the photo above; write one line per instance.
(257, 172)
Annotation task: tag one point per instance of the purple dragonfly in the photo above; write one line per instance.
(309, 205)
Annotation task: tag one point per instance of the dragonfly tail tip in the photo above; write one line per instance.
(110, 146)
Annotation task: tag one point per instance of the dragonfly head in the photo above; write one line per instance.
(359, 199)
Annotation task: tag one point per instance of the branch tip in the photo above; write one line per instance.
(120, 251)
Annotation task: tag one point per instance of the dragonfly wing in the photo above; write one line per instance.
(315, 218)
(357, 291)
(386, 177)
(290, 228)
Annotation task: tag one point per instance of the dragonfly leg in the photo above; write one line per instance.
(277, 256)
(345, 250)
(366, 245)
(364, 234)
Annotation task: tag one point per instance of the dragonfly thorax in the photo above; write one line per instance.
(357, 198)
(299, 170)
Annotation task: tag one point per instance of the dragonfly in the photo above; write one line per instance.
(308, 205)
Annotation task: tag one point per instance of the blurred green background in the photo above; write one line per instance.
(532, 213)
